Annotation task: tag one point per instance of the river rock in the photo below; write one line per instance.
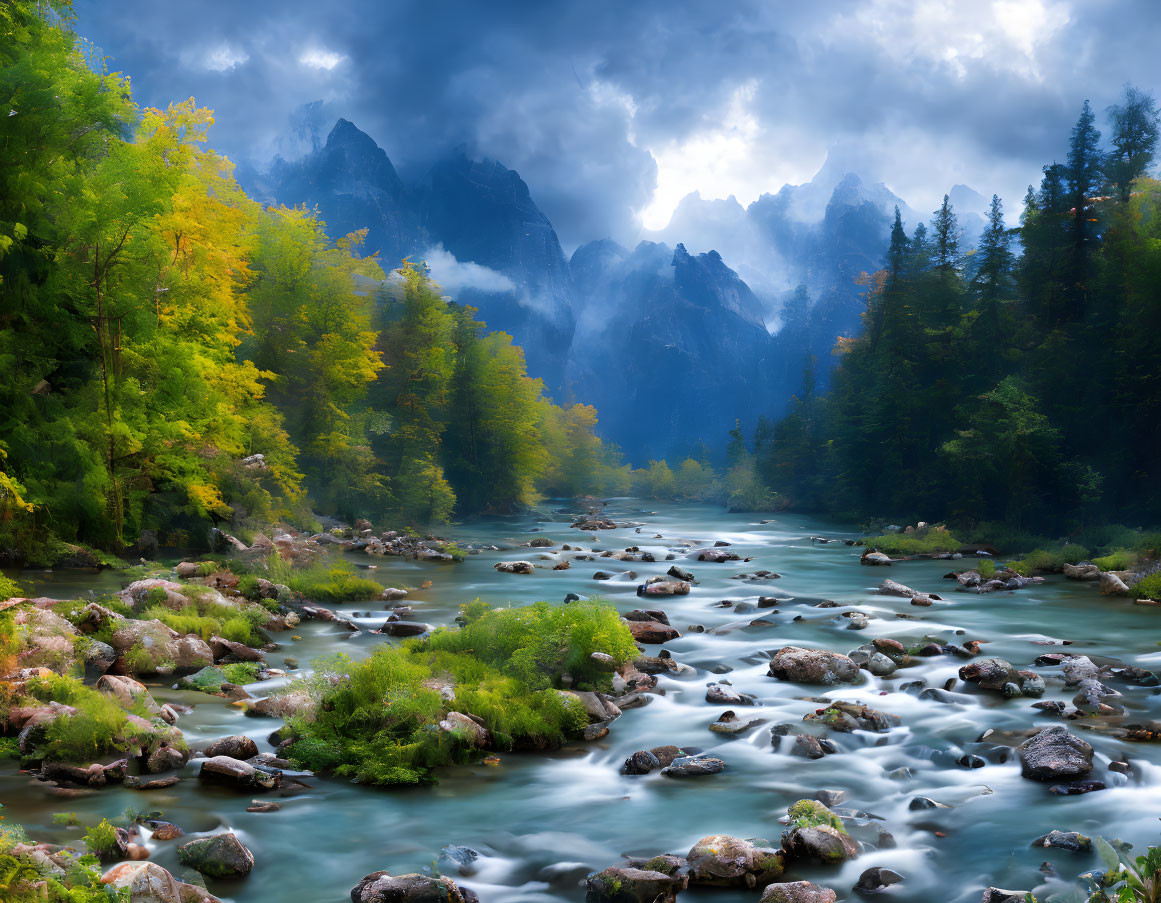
(998, 895)
(285, 705)
(148, 882)
(723, 694)
(693, 766)
(138, 591)
(822, 843)
(237, 774)
(1054, 754)
(730, 723)
(220, 856)
(851, 716)
(224, 650)
(875, 558)
(382, 887)
(632, 885)
(812, 666)
(877, 879)
(724, 861)
(664, 588)
(680, 573)
(641, 762)
(128, 692)
(797, 892)
(1084, 571)
(1078, 668)
(1064, 840)
(990, 673)
(514, 567)
(469, 732)
(1112, 585)
(716, 556)
(652, 632)
(237, 746)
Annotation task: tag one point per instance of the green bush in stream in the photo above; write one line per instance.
(986, 569)
(378, 721)
(323, 582)
(99, 727)
(1120, 560)
(1050, 560)
(925, 541)
(1148, 587)
(1125, 879)
(101, 840)
(208, 617)
(813, 814)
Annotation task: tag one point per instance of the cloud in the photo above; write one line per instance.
(454, 276)
(318, 58)
(611, 112)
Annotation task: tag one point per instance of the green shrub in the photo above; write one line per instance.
(207, 617)
(1120, 560)
(241, 672)
(248, 587)
(101, 840)
(378, 721)
(65, 819)
(324, 582)
(926, 541)
(986, 569)
(9, 747)
(1148, 587)
(1049, 560)
(100, 726)
(9, 588)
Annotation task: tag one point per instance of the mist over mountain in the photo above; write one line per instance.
(713, 318)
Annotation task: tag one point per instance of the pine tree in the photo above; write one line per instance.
(1134, 139)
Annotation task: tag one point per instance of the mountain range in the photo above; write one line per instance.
(713, 319)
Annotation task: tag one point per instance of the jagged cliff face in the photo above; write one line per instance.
(462, 212)
(670, 347)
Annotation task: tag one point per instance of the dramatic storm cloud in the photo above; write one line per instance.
(613, 111)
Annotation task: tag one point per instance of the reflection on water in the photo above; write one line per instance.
(542, 822)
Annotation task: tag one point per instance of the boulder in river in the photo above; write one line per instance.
(382, 887)
(514, 567)
(237, 774)
(664, 588)
(724, 861)
(219, 856)
(875, 558)
(724, 694)
(999, 895)
(652, 632)
(1054, 754)
(148, 882)
(846, 717)
(693, 766)
(1083, 571)
(816, 834)
(877, 879)
(1064, 840)
(1112, 585)
(812, 666)
(797, 892)
(633, 885)
(237, 746)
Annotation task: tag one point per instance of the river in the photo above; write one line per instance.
(541, 822)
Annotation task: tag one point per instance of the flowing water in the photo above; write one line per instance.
(541, 822)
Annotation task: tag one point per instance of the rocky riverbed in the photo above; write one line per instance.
(816, 731)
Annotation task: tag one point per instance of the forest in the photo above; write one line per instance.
(172, 355)
(1010, 383)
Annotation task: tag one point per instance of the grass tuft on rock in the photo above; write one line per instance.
(379, 719)
(813, 814)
